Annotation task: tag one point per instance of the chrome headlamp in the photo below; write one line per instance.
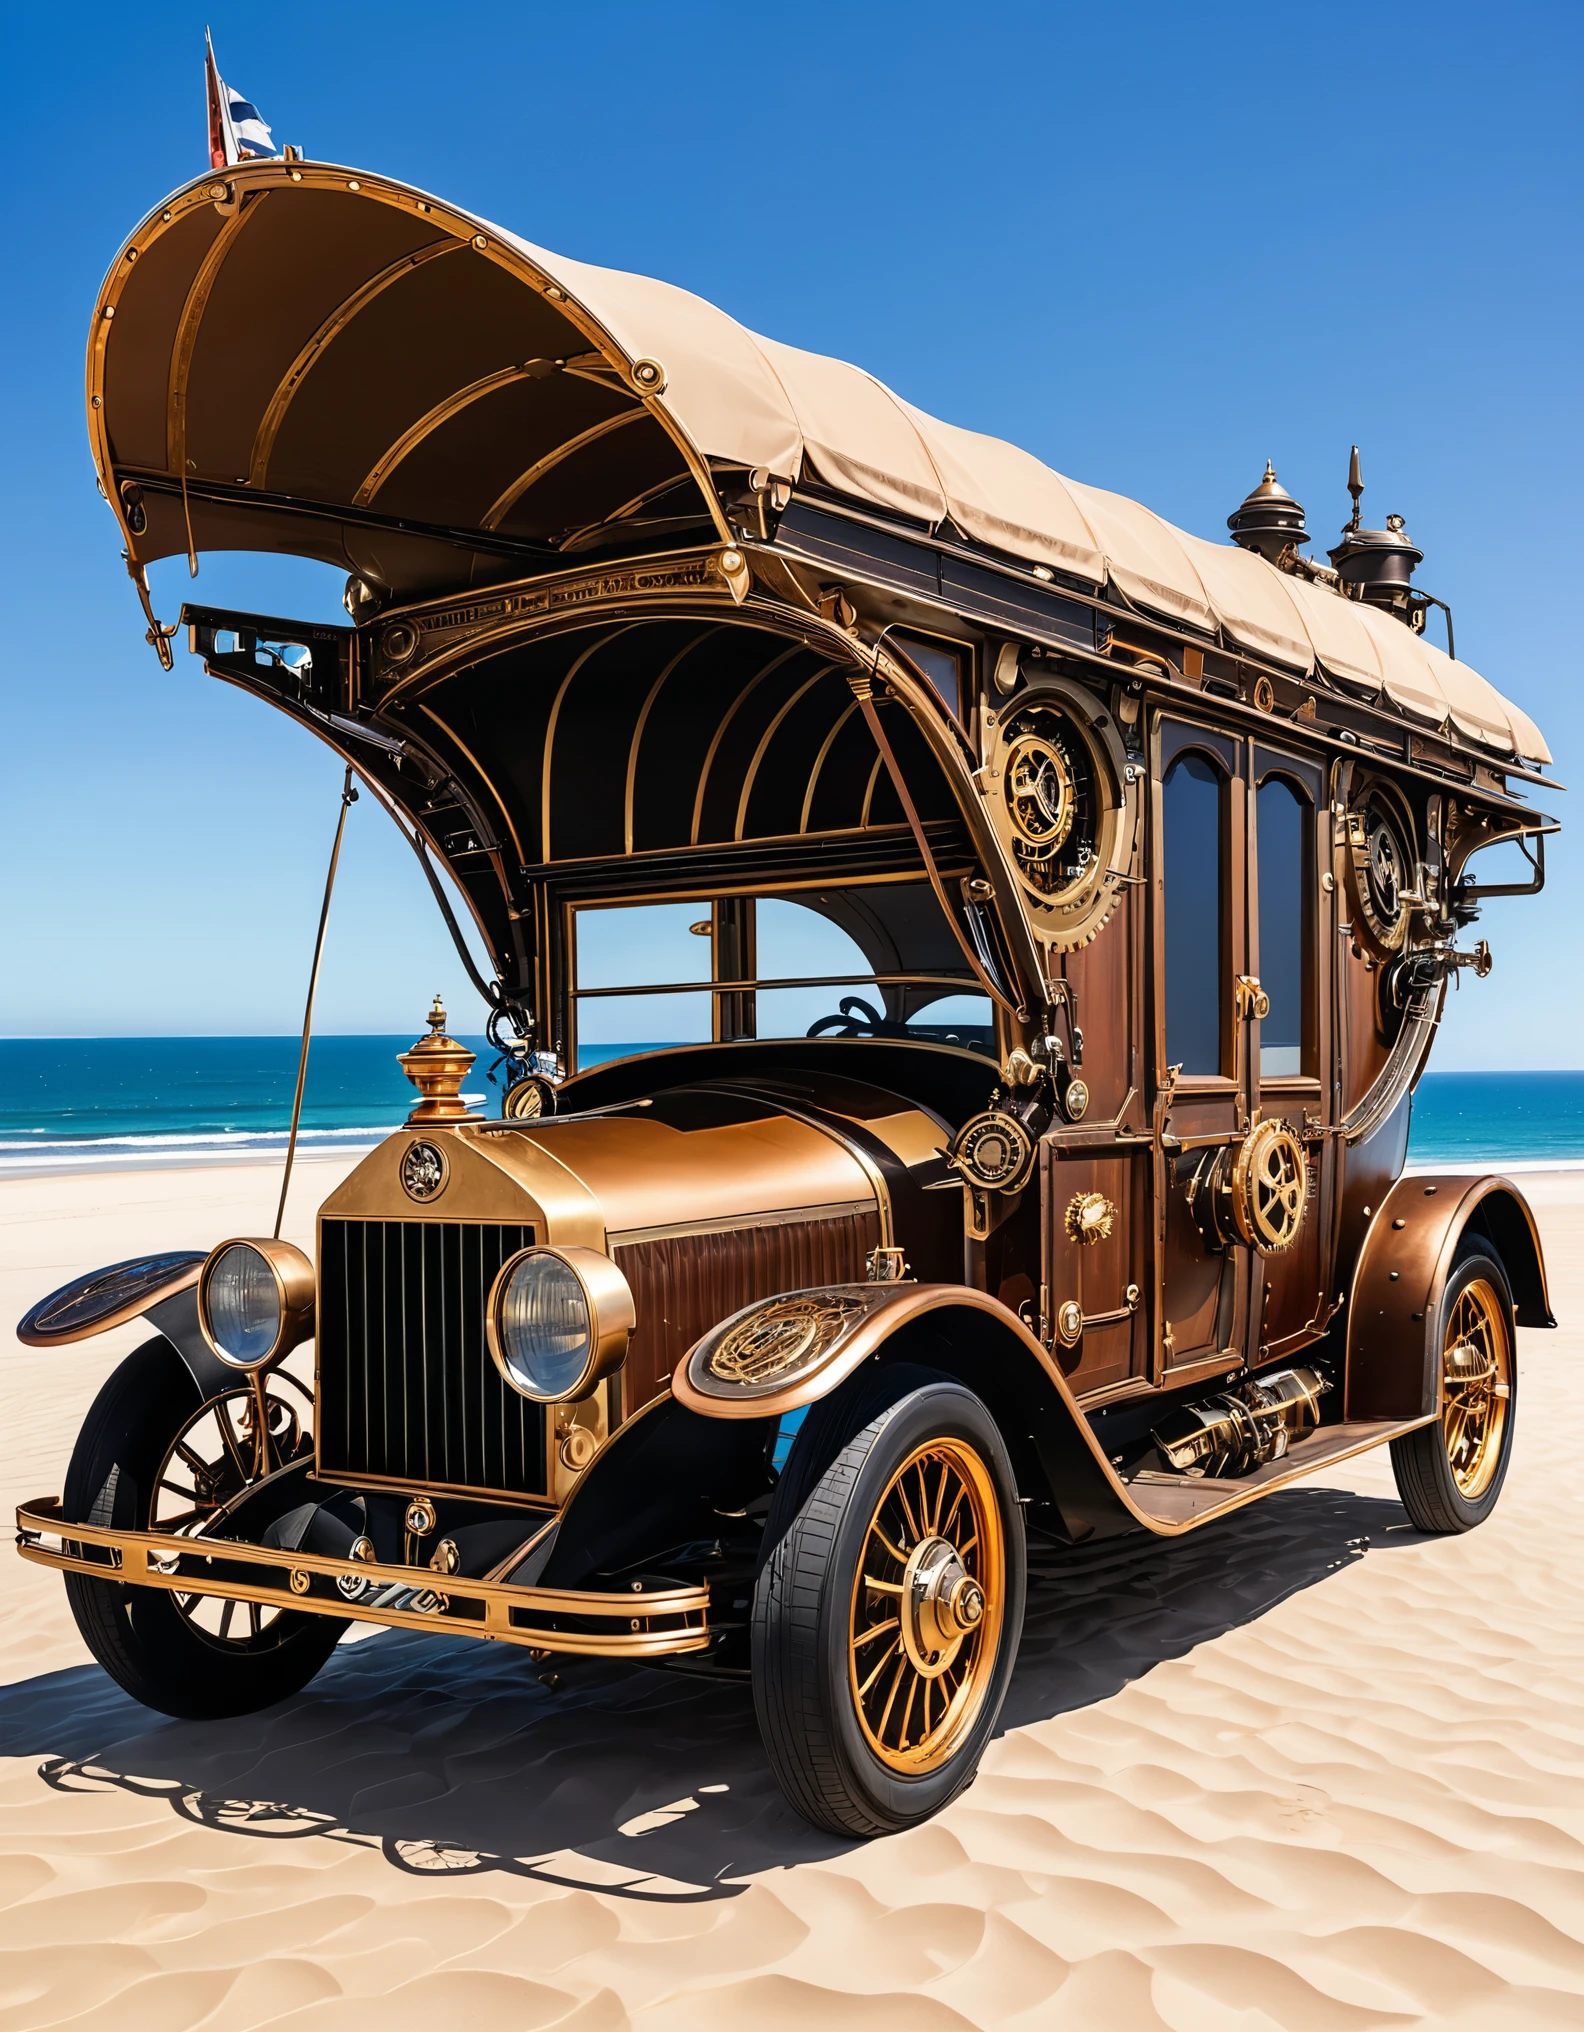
(255, 1301)
(558, 1321)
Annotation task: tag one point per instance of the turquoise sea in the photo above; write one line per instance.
(68, 1102)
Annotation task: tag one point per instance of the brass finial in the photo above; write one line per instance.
(1355, 488)
(437, 1065)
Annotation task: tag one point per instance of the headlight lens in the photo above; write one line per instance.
(255, 1301)
(559, 1320)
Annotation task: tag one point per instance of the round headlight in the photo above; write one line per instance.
(255, 1301)
(558, 1321)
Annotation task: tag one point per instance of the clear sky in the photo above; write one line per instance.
(1153, 243)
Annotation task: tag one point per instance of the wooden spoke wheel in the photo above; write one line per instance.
(153, 1454)
(926, 1606)
(889, 1605)
(1449, 1474)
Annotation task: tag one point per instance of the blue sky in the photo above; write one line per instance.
(1155, 244)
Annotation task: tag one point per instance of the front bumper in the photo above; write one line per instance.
(644, 1623)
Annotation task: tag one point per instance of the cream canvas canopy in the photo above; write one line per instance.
(312, 359)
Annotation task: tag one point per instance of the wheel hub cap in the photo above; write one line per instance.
(941, 1605)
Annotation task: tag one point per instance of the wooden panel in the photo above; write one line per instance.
(1115, 1344)
(684, 1284)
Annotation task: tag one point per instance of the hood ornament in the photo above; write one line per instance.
(437, 1065)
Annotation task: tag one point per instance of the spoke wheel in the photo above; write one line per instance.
(233, 1441)
(153, 1453)
(926, 1606)
(1449, 1474)
(889, 1604)
(1476, 1385)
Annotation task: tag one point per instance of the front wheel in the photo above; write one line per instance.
(1450, 1474)
(888, 1612)
(153, 1455)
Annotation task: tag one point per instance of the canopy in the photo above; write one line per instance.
(312, 359)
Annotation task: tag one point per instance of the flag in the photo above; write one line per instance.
(237, 130)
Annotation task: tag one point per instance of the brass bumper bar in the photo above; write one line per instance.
(643, 1624)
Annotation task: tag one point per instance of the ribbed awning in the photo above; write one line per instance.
(334, 364)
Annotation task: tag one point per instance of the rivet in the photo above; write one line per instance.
(1431, 1191)
(166, 217)
(555, 295)
(1395, 1274)
(131, 254)
(480, 242)
(422, 206)
(296, 176)
(731, 560)
(353, 184)
(1399, 1222)
(109, 310)
(98, 402)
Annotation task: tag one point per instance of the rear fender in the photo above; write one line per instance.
(1393, 1362)
(162, 1289)
(812, 1342)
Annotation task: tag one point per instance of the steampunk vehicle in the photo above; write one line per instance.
(1125, 871)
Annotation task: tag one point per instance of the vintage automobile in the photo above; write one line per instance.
(1062, 907)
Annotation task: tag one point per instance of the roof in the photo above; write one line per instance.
(280, 370)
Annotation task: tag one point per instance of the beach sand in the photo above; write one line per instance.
(1304, 1769)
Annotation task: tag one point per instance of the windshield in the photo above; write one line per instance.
(868, 960)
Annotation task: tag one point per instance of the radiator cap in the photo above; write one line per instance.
(437, 1065)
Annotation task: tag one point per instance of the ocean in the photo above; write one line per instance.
(67, 1103)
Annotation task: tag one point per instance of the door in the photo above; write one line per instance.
(1237, 1012)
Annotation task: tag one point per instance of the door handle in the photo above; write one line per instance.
(1251, 999)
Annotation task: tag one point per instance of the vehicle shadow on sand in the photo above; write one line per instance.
(453, 1757)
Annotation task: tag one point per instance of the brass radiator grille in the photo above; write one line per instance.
(407, 1390)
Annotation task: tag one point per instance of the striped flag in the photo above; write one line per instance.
(237, 130)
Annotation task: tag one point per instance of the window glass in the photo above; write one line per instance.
(633, 946)
(1195, 915)
(1280, 816)
(942, 666)
(794, 940)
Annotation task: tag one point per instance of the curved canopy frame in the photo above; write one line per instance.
(306, 358)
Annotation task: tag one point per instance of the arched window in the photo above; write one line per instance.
(1196, 959)
(1284, 848)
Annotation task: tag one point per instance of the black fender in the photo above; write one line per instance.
(1393, 1363)
(783, 1353)
(162, 1289)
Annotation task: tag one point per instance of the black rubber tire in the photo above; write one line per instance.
(1425, 1480)
(138, 1634)
(801, 1600)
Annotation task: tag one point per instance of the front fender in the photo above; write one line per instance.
(162, 1288)
(784, 1353)
(1393, 1361)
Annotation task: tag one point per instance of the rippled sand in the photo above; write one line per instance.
(1301, 1770)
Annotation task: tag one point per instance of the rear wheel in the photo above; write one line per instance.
(153, 1454)
(888, 1612)
(1450, 1474)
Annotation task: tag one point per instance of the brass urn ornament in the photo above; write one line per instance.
(437, 1065)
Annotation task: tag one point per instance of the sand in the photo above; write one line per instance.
(1303, 1770)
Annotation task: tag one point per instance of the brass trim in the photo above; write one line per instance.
(296, 1283)
(484, 776)
(134, 1567)
(631, 792)
(612, 1316)
(730, 1224)
(766, 738)
(182, 1280)
(270, 423)
(819, 763)
(719, 734)
(500, 509)
(182, 348)
(442, 413)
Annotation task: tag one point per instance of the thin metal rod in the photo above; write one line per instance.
(348, 799)
(769, 985)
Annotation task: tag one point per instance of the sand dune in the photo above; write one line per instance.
(1304, 1770)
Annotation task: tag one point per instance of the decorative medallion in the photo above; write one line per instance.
(781, 1336)
(993, 1151)
(423, 1171)
(1069, 1322)
(1090, 1218)
(1381, 868)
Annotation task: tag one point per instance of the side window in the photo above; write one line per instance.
(634, 946)
(1196, 960)
(1284, 848)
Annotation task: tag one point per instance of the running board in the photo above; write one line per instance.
(1179, 1502)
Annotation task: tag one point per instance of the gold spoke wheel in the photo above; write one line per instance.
(927, 1603)
(1476, 1386)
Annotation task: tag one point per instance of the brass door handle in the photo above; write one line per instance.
(1251, 998)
